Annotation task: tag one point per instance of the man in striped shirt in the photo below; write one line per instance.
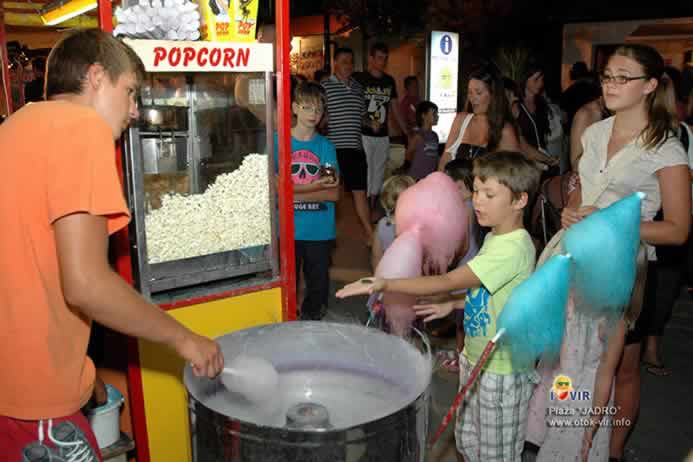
(345, 111)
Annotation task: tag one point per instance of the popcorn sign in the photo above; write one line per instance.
(175, 56)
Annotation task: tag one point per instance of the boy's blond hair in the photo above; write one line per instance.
(392, 188)
(512, 169)
(310, 92)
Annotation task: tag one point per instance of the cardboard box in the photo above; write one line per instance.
(228, 21)
(214, 20)
(244, 20)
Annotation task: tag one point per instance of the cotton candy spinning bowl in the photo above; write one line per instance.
(346, 393)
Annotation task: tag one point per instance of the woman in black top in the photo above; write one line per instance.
(532, 114)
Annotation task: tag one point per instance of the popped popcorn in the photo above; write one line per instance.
(233, 213)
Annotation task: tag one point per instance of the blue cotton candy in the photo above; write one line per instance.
(534, 315)
(604, 247)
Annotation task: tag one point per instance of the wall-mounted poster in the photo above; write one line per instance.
(307, 56)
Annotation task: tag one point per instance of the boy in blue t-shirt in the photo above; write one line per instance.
(314, 197)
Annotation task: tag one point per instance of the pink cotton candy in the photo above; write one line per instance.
(434, 206)
(403, 259)
(431, 221)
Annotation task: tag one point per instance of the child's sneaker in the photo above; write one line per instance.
(71, 442)
(37, 452)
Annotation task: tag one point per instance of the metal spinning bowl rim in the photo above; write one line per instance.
(250, 427)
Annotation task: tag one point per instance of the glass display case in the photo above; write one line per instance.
(198, 179)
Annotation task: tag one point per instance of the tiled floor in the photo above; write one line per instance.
(664, 431)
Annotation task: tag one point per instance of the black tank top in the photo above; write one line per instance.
(470, 151)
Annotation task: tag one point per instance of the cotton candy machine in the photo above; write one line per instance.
(346, 393)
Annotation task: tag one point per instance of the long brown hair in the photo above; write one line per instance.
(498, 113)
(541, 116)
(659, 119)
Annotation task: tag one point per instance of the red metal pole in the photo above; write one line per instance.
(5, 61)
(286, 193)
(105, 13)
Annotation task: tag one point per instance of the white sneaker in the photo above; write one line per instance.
(71, 442)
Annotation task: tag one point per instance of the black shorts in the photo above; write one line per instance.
(352, 169)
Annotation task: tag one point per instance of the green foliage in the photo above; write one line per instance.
(512, 61)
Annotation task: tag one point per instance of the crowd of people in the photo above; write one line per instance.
(612, 134)
(617, 132)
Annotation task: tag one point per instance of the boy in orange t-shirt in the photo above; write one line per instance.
(59, 200)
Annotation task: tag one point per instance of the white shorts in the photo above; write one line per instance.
(377, 149)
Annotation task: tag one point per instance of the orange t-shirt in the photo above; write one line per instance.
(58, 158)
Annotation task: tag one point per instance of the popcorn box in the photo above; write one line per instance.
(228, 20)
(214, 21)
(244, 20)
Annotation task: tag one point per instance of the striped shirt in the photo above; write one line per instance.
(345, 109)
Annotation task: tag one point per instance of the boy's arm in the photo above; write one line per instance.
(321, 184)
(327, 190)
(93, 288)
(460, 278)
(328, 193)
(439, 310)
(411, 149)
(394, 107)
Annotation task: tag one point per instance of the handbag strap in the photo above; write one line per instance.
(465, 123)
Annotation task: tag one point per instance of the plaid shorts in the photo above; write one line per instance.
(492, 419)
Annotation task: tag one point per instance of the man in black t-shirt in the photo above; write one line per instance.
(380, 92)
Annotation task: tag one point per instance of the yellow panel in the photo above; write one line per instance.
(165, 399)
(34, 20)
(24, 5)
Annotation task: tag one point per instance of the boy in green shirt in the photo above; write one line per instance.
(491, 421)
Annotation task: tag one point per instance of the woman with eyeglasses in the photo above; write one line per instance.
(634, 150)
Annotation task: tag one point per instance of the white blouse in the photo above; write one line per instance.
(631, 169)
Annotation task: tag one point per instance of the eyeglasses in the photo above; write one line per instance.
(619, 79)
(313, 109)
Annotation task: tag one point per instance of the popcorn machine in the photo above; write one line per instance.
(203, 239)
(197, 170)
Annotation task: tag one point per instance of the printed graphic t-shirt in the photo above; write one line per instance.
(378, 92)
(313, 221)
(426, 156)
(503, 262)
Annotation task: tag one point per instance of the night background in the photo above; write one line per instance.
(484, 25)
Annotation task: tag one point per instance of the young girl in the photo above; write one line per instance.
(421, 157)
(461, 170)
(385, 229)
(634, 150)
